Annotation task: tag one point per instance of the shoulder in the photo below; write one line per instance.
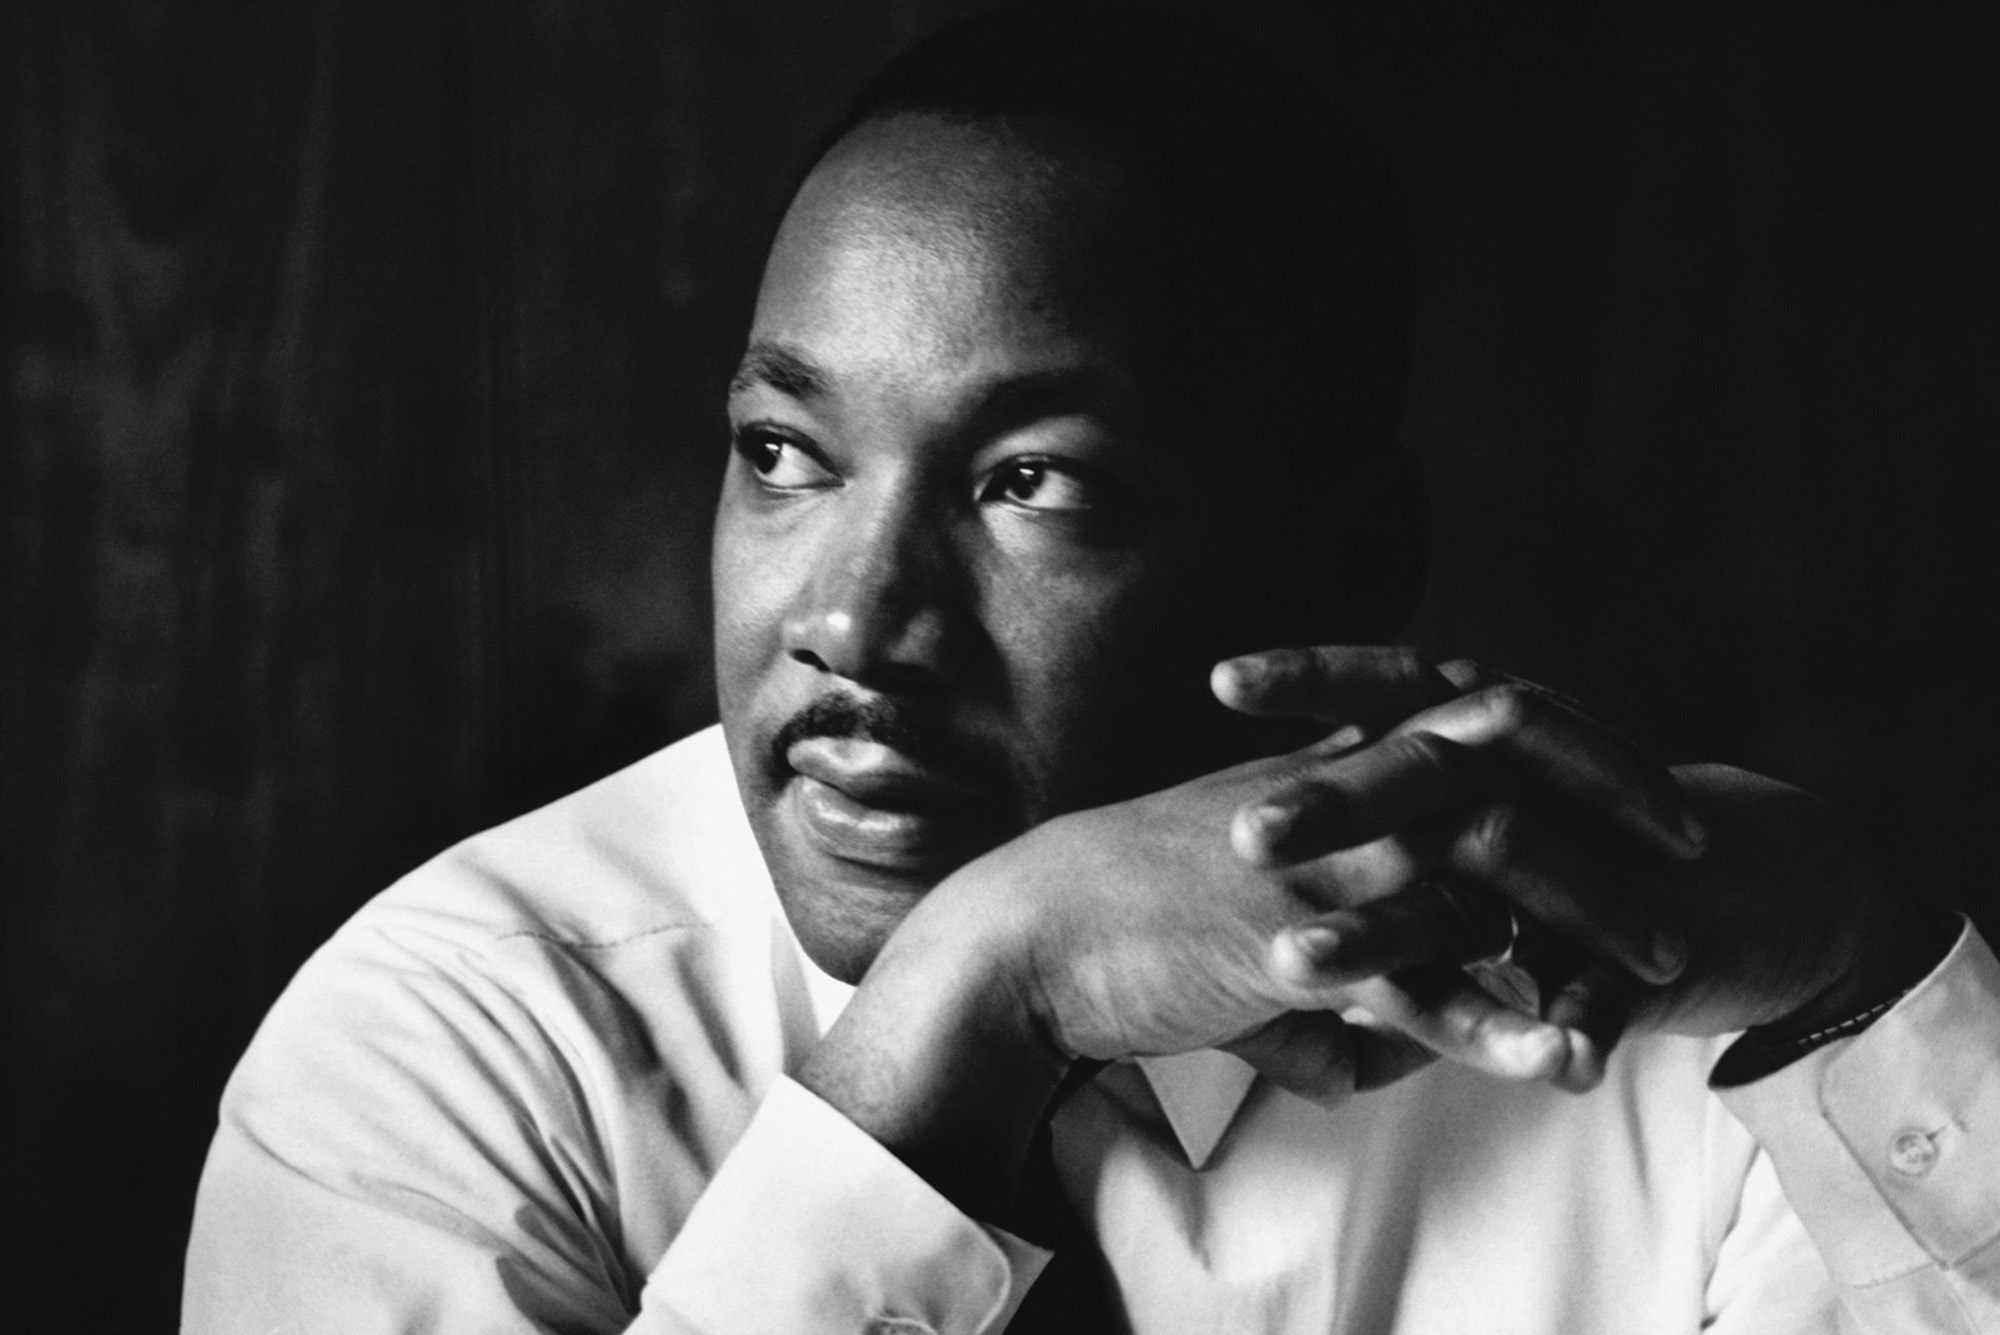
(565, 939)
(544, 973)
(476, 1064)
(661, 844)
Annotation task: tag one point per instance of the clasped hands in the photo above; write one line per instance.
(1696, 900)
(1313, 911)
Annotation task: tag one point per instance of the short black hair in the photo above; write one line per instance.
(1277, 255)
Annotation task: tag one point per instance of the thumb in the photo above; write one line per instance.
(1322, 1057)
(1310, 1053)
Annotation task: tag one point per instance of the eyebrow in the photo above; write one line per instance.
(783, 369)
(1056, 392)
(1005, 403)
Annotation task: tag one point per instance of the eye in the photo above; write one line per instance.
(1042, 484)
(780, 462)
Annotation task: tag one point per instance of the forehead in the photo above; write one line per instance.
(920, 241)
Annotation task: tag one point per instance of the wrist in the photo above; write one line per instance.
(941, 1058)
(1863, 995)
(1902, 956)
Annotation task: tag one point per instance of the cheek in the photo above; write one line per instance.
(751, 587)
(1099, 669)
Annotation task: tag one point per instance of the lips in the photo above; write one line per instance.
(866, 802)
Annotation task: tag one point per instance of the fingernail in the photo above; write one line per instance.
(1583, 1071)
(1237, 676)
(1317, 944)
(1344, 738)
(1258, 829)
(1669, 952)
(1541, 1051)
(1695, 832)
(1297, 955)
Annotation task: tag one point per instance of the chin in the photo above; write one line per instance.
(843, 927)
(842, 912)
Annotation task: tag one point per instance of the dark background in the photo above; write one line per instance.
(364, 369)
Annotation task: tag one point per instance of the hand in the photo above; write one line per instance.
(1747, 894)
(1247, 908)
(1136, 928)
(1142, 933)
(1129, 929)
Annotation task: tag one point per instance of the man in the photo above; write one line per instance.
(1059, 395)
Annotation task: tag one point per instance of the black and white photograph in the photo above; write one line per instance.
(945, 667)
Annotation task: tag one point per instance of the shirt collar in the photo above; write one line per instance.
(829, 995)
(1200, 1092)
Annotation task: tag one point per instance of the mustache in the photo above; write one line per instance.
(914, 732)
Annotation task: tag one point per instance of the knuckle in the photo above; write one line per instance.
(1288, 776)
(1427, 751)
(1492, 839)
(1311, 794)
(1409, 670)
(1467, 1026)
(1510, 706)
(1295, 665)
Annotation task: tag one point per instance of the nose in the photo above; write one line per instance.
(882, 606)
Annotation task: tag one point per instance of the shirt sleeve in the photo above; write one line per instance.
(810, 1225)
(403, 1148)
(1768, 1279)
(408, 1146)
(1888, 1147)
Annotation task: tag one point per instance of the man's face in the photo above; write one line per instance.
(960, 584)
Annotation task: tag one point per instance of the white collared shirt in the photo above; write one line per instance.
(541, 1085)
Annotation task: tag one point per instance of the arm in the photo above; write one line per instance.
(1878, 1139)
(398, 1148)
(1773, 926)
(424, 1137)
(1125, 930)
(1888, 1146)
(812, 1226)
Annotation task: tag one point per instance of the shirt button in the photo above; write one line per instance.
(1912, 1153)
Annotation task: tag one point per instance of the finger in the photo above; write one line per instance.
(1574, 754)
(1426, 924)
(1327, 1058)
(1594, 1007)
(1382, 1055)
(1365, 872)
(1535, 964)
(1371, 687)
(1438, 1006)
(1553, 878)
(1356, 798)
(1310, 1053)
(1468, 675)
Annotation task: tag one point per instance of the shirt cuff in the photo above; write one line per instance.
(810, 1225)
(1888, 1143)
